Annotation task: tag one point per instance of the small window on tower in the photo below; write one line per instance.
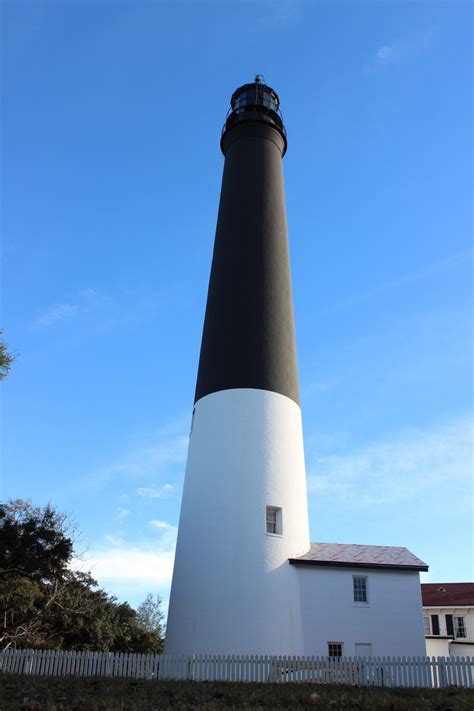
(273, 520)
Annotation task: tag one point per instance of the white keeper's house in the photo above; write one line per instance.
(448, 615)
(360, 600)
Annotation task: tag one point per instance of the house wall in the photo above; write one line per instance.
(448, 647)
(392, 621)
(466, 612)
(437, 647)
(461, 650)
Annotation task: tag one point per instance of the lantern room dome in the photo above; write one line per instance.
(255, 102)
(255, 94)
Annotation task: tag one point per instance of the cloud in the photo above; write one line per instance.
(100, 312)
(166, 450)
(279, 14)
(385, 52)
(428, 466)
(122, 513)
(155, 492)
(320, 386)
(168, 533)
(403, 49)
(131, 570)
(85, 302)
(125, 563)
(426, 271)
(56, 314)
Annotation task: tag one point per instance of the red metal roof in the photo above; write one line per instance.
(442, 594)
(352, 555)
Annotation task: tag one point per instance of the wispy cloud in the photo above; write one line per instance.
(55, 315)
(452, 261)
(164, 451)
(279, 14)
(83, 303)
(93, 309)
(427, 466)
(320, 386)
(387, 52)
(155, 492)
(399, 50)
(122, 513)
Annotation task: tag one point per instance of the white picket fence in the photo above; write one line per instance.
(428, 672)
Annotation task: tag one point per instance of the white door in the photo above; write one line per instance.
(363, 649)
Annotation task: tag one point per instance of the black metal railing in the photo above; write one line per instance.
(254, 113)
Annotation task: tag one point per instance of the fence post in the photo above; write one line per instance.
(190, 675)
(442, 672)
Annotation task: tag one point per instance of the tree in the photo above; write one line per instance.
(35, 541)
(45, 604)
(6, 359)
(150, 618)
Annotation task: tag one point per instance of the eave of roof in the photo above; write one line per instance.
(438, 636)
(343, 555)
(349, 564)
(439, 606)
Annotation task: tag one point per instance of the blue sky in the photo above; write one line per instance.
(112, 114)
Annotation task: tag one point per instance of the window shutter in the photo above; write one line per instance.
(435, 624)
(449, 625)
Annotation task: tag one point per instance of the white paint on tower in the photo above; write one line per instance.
(233, 588)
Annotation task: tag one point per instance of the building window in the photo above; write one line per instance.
(426, 622)
(459, 629)
(360, 588)
(273, 520)
(335, 649)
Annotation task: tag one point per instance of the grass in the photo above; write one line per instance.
(98, 694)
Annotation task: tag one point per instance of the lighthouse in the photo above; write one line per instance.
(244, 508)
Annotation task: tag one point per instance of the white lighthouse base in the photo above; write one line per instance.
(233, 590)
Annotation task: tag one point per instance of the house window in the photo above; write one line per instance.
(273, 520)
(435, 624)
(459, 629)
(360, 588)
(335, 649)
(426, 622)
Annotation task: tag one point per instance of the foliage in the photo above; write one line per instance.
(45, 604)
(6, 359)
(150, 618)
